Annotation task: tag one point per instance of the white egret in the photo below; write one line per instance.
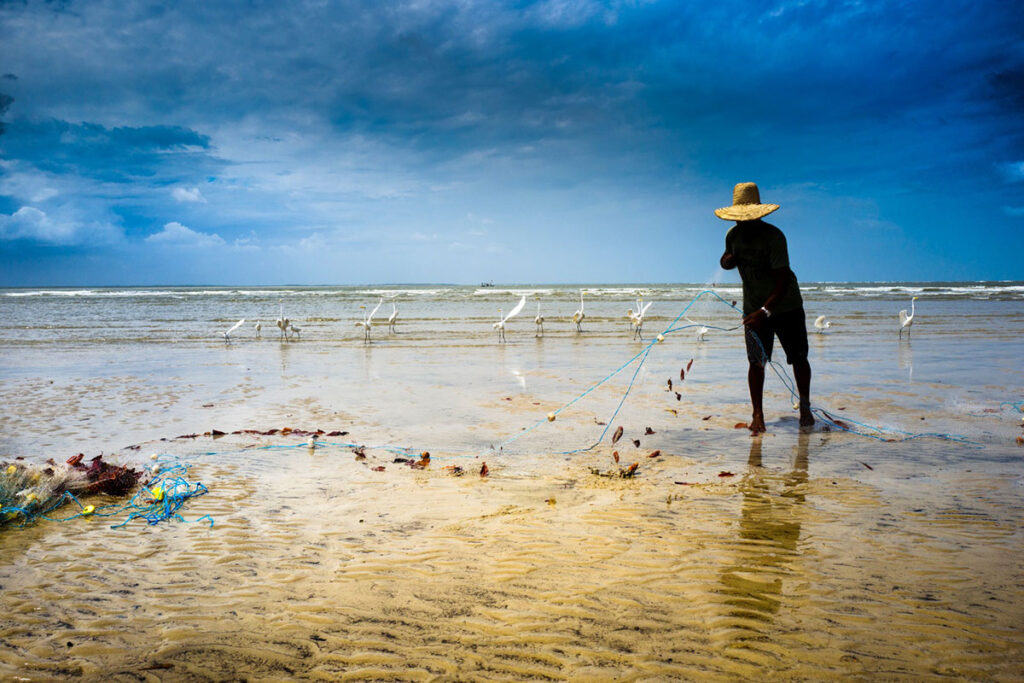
(295, 330)
(638, 320)
(500, 325)
(282, 323)
(702, 330)
(227, 335)
(393, 318)
(368, 322)
(258, 327)
(539, 321)
(631, 314)
(907, 320)
(579, 315)
(821, 324)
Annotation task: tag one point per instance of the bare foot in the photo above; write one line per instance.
(757, 424)
(806, 419)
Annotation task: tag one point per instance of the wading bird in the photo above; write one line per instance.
(579, 315)
(500, 325)
(821, 324)
(631, 314)
(702, 330)
(907, 320)
(282, 323)
(539, 321)
(295, 330)
(258, 327)
(393, 318)
(638, 319)
(227, 335)
(368, 322)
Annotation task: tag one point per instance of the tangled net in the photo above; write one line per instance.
(29, 492)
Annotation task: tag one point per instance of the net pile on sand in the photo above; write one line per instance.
(28, 492)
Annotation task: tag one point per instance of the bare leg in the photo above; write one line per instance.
(802, 374)
(755, 380)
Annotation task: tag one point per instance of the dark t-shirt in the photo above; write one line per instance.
(758, 249)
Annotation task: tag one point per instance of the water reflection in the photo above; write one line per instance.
(905, 359)
(769, 535)
(284, 350)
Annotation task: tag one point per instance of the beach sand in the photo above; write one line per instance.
(823, 556)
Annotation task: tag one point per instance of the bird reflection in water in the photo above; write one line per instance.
(905, 359)
(767, 548)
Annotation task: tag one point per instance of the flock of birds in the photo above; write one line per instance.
(635, 316)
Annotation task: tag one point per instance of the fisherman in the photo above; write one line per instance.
(772, 305)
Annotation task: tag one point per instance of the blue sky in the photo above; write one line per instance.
(555, 141)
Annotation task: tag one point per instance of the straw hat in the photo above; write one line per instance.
(746, 204)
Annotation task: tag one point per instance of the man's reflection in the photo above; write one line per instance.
(769, 535)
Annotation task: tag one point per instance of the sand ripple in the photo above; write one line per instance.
(320, 569)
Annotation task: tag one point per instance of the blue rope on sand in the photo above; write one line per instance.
(885, 434)
(846, 425)
(879, 433)
(156, 502)
(1016, 405)
(865, 430)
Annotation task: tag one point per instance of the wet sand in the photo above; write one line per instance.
(824, 556)
(318, 567)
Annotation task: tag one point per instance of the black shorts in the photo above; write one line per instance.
(791, 330)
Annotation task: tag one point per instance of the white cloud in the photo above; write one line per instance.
(188, 194)
(26, 183)
(482, 220)
(250, 243)
(176, 234)
(564, 13)
(1013, 171)
(30, 223)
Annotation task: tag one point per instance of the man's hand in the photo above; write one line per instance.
(728, 261)
(756, 318)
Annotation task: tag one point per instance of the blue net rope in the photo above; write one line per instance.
(637, 361)
(159, 500)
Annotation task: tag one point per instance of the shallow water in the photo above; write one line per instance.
(825, 555)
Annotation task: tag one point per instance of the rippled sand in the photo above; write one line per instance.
(320, 567)
(824, 556)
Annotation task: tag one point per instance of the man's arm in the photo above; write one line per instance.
(728, 260)
(778, 291)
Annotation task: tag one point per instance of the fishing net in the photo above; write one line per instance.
(29, 492)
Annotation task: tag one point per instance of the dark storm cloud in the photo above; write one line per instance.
(111, 154)
(317, 115)
(443, 76)
(5, 103)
